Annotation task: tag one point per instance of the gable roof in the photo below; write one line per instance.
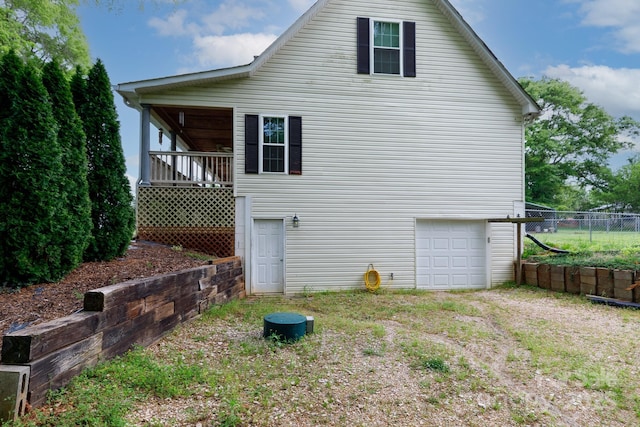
(530, 108)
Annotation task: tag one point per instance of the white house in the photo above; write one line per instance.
(372, 132)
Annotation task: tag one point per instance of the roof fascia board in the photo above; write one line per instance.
(160, 83)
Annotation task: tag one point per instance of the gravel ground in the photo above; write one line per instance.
(515, 357)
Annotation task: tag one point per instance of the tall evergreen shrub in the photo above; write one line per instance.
(78, 86)
(75, 220)
(30, 178)
(112, 212)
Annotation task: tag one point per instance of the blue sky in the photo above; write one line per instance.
(593, 44)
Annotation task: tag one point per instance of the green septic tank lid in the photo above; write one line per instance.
(286, 326)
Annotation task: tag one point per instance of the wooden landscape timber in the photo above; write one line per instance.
(622, 285)
(115, 318)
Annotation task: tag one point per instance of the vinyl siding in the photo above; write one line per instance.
(378, 151)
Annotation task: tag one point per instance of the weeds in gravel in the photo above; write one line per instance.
(101, 396)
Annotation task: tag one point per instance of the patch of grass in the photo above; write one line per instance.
(229, 416)
(141, 374)
(436, 364)
(375, 350)
(596, 378)
(521, 416)
(102, 396)
(617, 251)
(548, 354)
(427, 355)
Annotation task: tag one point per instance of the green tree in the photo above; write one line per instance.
(43, 29)
(624, 188)
(30, 178)
(78, 86)
(109, 190)
(570, 144)
(75, 221)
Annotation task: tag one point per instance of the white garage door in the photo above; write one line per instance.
(451, 254)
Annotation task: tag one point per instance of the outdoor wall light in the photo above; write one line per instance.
(296, 221)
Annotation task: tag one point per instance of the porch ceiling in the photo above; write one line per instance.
(200, 129)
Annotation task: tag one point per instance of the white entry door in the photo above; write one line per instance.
(269, 256)
(451, 255)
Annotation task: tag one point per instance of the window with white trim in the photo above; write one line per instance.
(385, 38)
(274, 149)
(386, 47)
(273, 144)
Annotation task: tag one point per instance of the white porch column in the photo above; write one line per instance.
(145, 145)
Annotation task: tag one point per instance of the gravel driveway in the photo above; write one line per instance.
(490, 358)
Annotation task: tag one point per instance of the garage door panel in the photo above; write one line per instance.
(440, 262)
(450, 254)
(478, 281)
(460, 280)
(440, 244)
(441, 280)
(459, 244)
(423, 243)
(477, 262)
(477, 243)
(459, 262)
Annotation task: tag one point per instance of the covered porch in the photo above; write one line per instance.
(185, 194)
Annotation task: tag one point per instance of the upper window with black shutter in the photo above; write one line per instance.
(386, 47)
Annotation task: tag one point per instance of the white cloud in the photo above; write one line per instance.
(471, 10)
(623, 16)
(216, 35)
(223, 51)
(301, 5)
(614, 89)
(230, 15)
(174, 25)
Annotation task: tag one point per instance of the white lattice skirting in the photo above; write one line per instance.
(197, 218)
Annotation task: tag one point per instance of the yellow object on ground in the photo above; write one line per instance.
(371, 279)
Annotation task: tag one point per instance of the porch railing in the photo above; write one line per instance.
(198, 169)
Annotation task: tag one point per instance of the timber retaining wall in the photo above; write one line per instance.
(114, 319)
(603, 282)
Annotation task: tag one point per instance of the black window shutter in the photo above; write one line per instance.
(251, 143)
(409, 51)
(363, 46)
(295, 145)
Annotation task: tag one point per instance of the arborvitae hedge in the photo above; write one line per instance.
(112, 212)
(53, 189)
(30, 178)
(75, 223)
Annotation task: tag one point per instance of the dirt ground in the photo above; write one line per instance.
(42, 302)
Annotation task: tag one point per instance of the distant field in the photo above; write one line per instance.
(606, 240)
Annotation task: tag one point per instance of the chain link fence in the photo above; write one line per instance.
(622, 229)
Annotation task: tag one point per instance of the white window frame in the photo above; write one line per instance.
(262, 144)
(372, 47)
